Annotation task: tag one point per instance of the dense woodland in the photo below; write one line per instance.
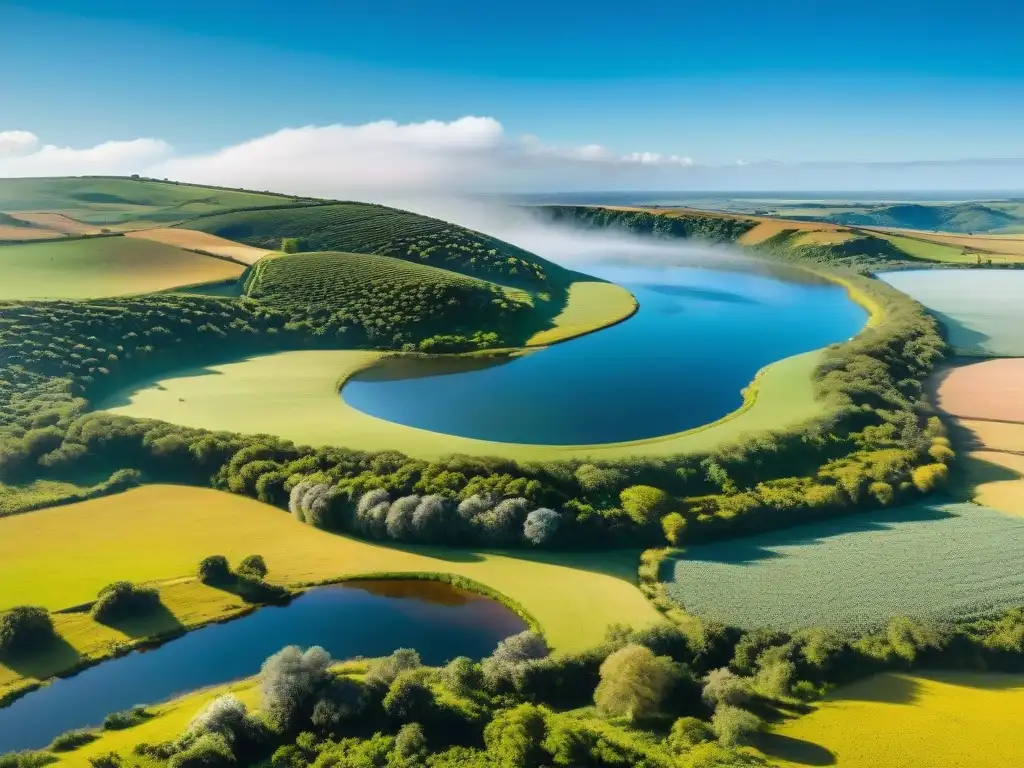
(706, 227)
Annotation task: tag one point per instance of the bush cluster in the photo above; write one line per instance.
(123, 600)
(25, 628)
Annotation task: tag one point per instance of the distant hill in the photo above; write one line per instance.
(104, 200)
(378, 229)
(959, 217)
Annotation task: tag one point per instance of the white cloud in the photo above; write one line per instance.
(21, 155)
(386, 160)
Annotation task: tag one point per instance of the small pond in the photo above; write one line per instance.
(981, 309)
(700, 336)
(358, 619)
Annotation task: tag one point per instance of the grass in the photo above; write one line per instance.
(62, 557)
(168, 722)
(366, 228)
(937, 720)
(111, 200)
(102, 267)
(1000, 248)
(930, 251)
(935, 562)
(590, 306)
(295, 395)
(980, 309)
(37, 494)
(203, 243)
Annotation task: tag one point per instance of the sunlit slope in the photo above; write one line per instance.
(937, 720)
(102, 267)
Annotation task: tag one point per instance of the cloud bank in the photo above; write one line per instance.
(472, 154)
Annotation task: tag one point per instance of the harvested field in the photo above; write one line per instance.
(769, 228)
(27, 233)
(1003, 245)
(935, 562)
(824, 237)
(101, 267)
(57, 222)
(203, 242)
(996, 480)
(992, 435)
(932, 720)
(990, 390)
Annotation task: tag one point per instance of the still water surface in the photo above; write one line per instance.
(358, 619)
(700, 336)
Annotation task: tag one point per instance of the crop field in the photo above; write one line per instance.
(295, 395)
(935, 720)
(996, 480)
(980, 309)
(102, 266)
(56, 222)
(589, 307)
(990, 390)
(201, 241)
(100, 201)
(824, 237)
(61, 557)
(768, 228)
(930, 251)
(999, 248)
(366, 228)
(935, 562)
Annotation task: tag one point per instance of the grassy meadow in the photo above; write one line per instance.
(933, 720)
(930, 561)
(589, 307)
(295, 395)
(102, 267)
(63, 556)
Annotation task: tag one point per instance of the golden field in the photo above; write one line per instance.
(203, 242)
(61, 557)
(938, 720)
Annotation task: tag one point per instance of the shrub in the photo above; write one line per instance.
(291, 680)
(384, 671)
(674, 526)
(25, 628)
(225, 716)
(514, 736)
(688, 732)
(211, 750)
(108, 760)
(942, 454)
(214, 570)
(882, 493)
(72, 740)
(512, 654)
(253, 567)
(26, 759)
(119, 721)
(733, 725)
(643, 502)
(289, 245)
(930, 477)
(408, 698)
(541, 526)
(410, 745)
(123, 600)
(723, 687)
(462, 676)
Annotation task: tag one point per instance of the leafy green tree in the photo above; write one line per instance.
(253, 567)
(214, 570)
(514, 737)
(674, 526)
(643, 502)
(289, 245)
(25, 628)
(733, 725)
(688, 732)
(634, 682)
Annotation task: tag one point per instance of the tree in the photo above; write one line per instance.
(253, 567)
(723, 687)
(25, 628)
(514, 736)
(688, 732)
(408, 698)
(634, 682)
(290, 681)
(643, 502)
(122, 600)
(410, 747)
(733, 725)
(541, 526)
(674, 525)
(512, 653)
(462, 676)
(225, 715)
(214, 570)
(290, 245)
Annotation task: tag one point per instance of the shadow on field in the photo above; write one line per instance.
(959, 336)
(753, 549)
(883, 689)
(156, 621)
(43, 663)
(793, 750)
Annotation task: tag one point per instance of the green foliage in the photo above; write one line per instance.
(332, 292)
(733, 725)
(124, 600)
(634, 681)
(930, 477)
(27, 759)
(688, 732)
(690, 225)
(289, 245)
(253, 567)
(674, 526)
(643, 502)
(515, 736)
(214, 570)
(119, 721)
(72, 740)
(25, 628)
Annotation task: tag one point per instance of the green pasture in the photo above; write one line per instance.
(928, 251)
(981, 310)
(94, 267)
(112, 200)
(295, 395)
(932, 561)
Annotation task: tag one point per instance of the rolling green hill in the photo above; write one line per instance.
(367, 228)
(961, 217)
(115, 200)
(334, 289)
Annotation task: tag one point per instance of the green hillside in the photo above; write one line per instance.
(335, 290)
(115, 200)
(961, 217)
(367, 228)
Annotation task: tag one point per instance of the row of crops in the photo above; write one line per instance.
(367, 228)
(379, 292)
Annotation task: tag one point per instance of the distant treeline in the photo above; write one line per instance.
(719, 229)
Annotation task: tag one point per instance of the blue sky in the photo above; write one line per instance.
(715, 82)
